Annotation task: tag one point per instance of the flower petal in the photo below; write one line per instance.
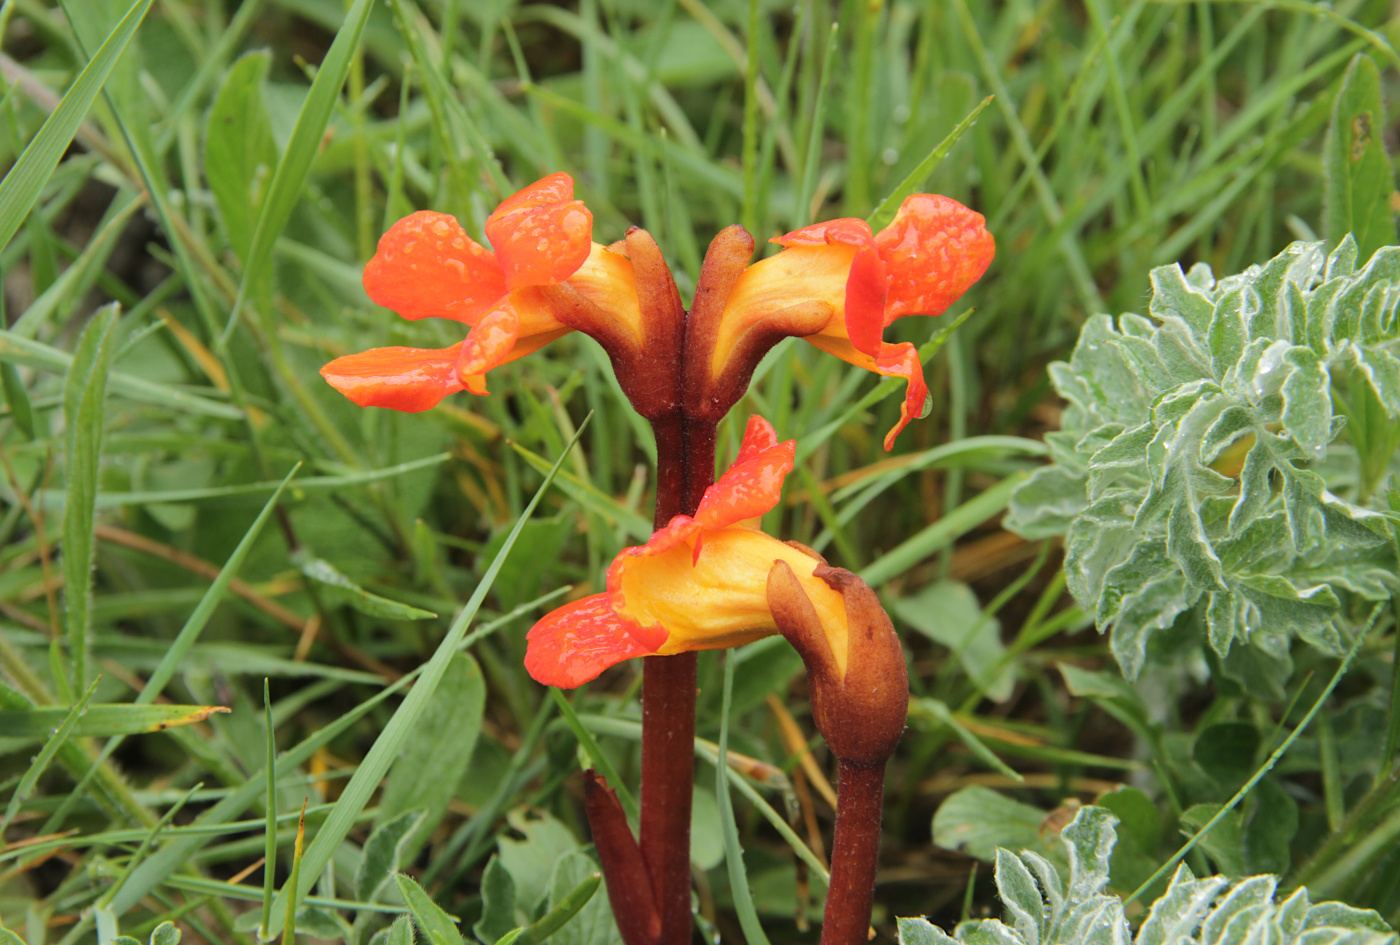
(753, 484)
(407, 379)
(541, 234)
(893, 360)
(427, 267)
(865, 300)
(489, 345)
(572, 645)
(934, 250)
(850, 231)
(721, 600)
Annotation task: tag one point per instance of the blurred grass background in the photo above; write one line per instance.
(223, 191)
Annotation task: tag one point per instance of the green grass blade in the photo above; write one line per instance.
(104, 720)
(733, 852)
(83, 402)
(162, 865)
(46, 755)
(16, 349)
(1268, 764)
(289, 180)
(884, 212)
(270, 830)
(807, 183)
(24, 183)
(386, 747)
(189, 633)
(965, 517)
(558, 917)
(595, 754)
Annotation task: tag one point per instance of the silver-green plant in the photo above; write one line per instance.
(1041, 910)
(1230, 463)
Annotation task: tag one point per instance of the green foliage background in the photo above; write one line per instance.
(192, 190)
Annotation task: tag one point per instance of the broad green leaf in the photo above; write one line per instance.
(1356, 169)
(105, 720)
(401, 932)
(530, 860)
(948, 613)
(437, 926)
(24, 183)
(497, 903)
(977, 820)
(384, 853)
(239, 152)
(84, 393)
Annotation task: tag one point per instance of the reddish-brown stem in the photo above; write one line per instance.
(668, 778)
(685, 460)
(860, 794)
(671, 491)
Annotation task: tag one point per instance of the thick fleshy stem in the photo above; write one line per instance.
(859, 705)
(855, 851)
(685, 452)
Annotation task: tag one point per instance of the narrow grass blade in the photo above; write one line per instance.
(289, 926)
(46, 755)
(162, 866)
(707, 752)
(15, 349)
(1268, 764)
(184, 641)
(807, 183)
(21, 410)
(106, 720)
(83, 410)
(733, 852)
(748, 215)
(105, 916)
(386, 747)
(938, 535)
(289, 180)
(884, 212)
(558, 917)
(939, 711)
(270, 830)
(595, 754)
(24, 183)
(809, 442)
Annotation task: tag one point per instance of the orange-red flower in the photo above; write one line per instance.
(700, 583)
(427, 267)
(839, 285)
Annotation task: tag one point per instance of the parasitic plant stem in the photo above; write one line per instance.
(855, 851)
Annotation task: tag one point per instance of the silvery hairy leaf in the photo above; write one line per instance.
(1042, 909)
(1205, 469)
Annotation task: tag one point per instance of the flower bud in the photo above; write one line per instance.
(860, 710)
